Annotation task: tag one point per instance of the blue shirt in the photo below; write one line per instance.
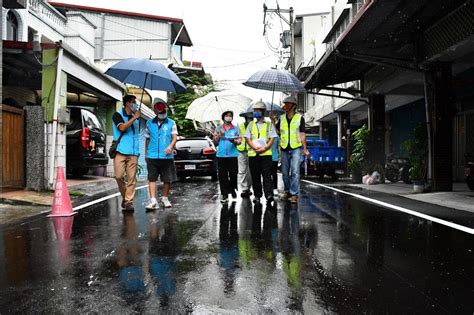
(275, 152)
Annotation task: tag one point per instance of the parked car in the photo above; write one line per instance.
(195, 157)
(85, 142)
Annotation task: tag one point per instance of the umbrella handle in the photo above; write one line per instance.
(271, 104)
(143, 91)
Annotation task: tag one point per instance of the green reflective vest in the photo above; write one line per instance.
(290, 134)
(264, 133)
(243, 145)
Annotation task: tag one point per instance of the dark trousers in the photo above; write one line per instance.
(274, 174)
(227, 169)
(261, 168)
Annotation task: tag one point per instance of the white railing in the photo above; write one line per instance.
(47, 13)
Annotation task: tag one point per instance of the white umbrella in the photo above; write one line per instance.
(211, 106)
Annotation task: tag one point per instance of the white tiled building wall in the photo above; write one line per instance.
(110, 166)
(60, 154)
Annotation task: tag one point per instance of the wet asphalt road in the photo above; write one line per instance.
(329, 254)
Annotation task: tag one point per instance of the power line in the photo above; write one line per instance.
(229, 49)
(240, 64)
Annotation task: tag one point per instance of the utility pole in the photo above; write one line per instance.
(290, 22)
(292, 48)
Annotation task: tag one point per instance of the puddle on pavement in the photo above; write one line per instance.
(330, 253)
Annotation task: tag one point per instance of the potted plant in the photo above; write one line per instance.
(417, 148)
(357, 162)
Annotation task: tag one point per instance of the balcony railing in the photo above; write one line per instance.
(47, 14)
(344, 20)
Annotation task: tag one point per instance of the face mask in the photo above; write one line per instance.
(162, 116)
(134, 107)
(257, 115)
(228, 119)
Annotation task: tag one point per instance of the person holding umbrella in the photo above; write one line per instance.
(260, 136)
(126, 132)
(292, 145)
(161, 135)
(227, 138)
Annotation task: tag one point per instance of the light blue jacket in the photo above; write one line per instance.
(160, 138)
(226, 148)
(130, 142)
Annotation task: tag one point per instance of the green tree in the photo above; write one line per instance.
(196, 86)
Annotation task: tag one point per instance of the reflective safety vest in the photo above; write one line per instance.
(290, 134)
(263, 133)
(243, 145)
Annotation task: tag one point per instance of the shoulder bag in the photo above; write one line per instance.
(113, 147)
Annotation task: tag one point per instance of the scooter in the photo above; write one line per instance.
(469, 173)
(397, 168)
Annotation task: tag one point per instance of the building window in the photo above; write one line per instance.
(12, 26)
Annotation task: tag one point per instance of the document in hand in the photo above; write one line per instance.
(260, 143)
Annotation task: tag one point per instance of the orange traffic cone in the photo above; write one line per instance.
(62, 201)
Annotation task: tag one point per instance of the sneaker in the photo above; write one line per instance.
(294, 199)
(285, 196)
(224, 199)
(152, 205)
(166, 202)
(246, 193)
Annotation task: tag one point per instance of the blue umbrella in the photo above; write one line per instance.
(147, 74)
(269, 107)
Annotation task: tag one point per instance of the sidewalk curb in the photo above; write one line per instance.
(76, 202)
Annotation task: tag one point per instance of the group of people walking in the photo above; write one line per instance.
(247, 153)
(250, 151)
(161, 134)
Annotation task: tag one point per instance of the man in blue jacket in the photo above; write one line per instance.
(161, 135)
(126, 126)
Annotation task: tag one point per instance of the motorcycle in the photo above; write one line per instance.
(469, 173)
(398, 168)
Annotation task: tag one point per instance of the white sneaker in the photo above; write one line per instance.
(166, 202)
(152, 204)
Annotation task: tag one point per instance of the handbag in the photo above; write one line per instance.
(113, 147)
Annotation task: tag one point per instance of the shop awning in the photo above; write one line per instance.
(402, 34)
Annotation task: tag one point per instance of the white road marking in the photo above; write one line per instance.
(103, 199)
(390, 206)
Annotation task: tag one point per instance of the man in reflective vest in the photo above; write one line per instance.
(126, 128)
(260, 136)
(293, 145)
(245, 179)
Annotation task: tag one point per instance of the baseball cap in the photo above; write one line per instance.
(160, 106)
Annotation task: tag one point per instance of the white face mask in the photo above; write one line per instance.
(134, 107)
(162, 116)
(228, 119)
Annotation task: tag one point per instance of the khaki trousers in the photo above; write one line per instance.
(126, 165)
(245, 180)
